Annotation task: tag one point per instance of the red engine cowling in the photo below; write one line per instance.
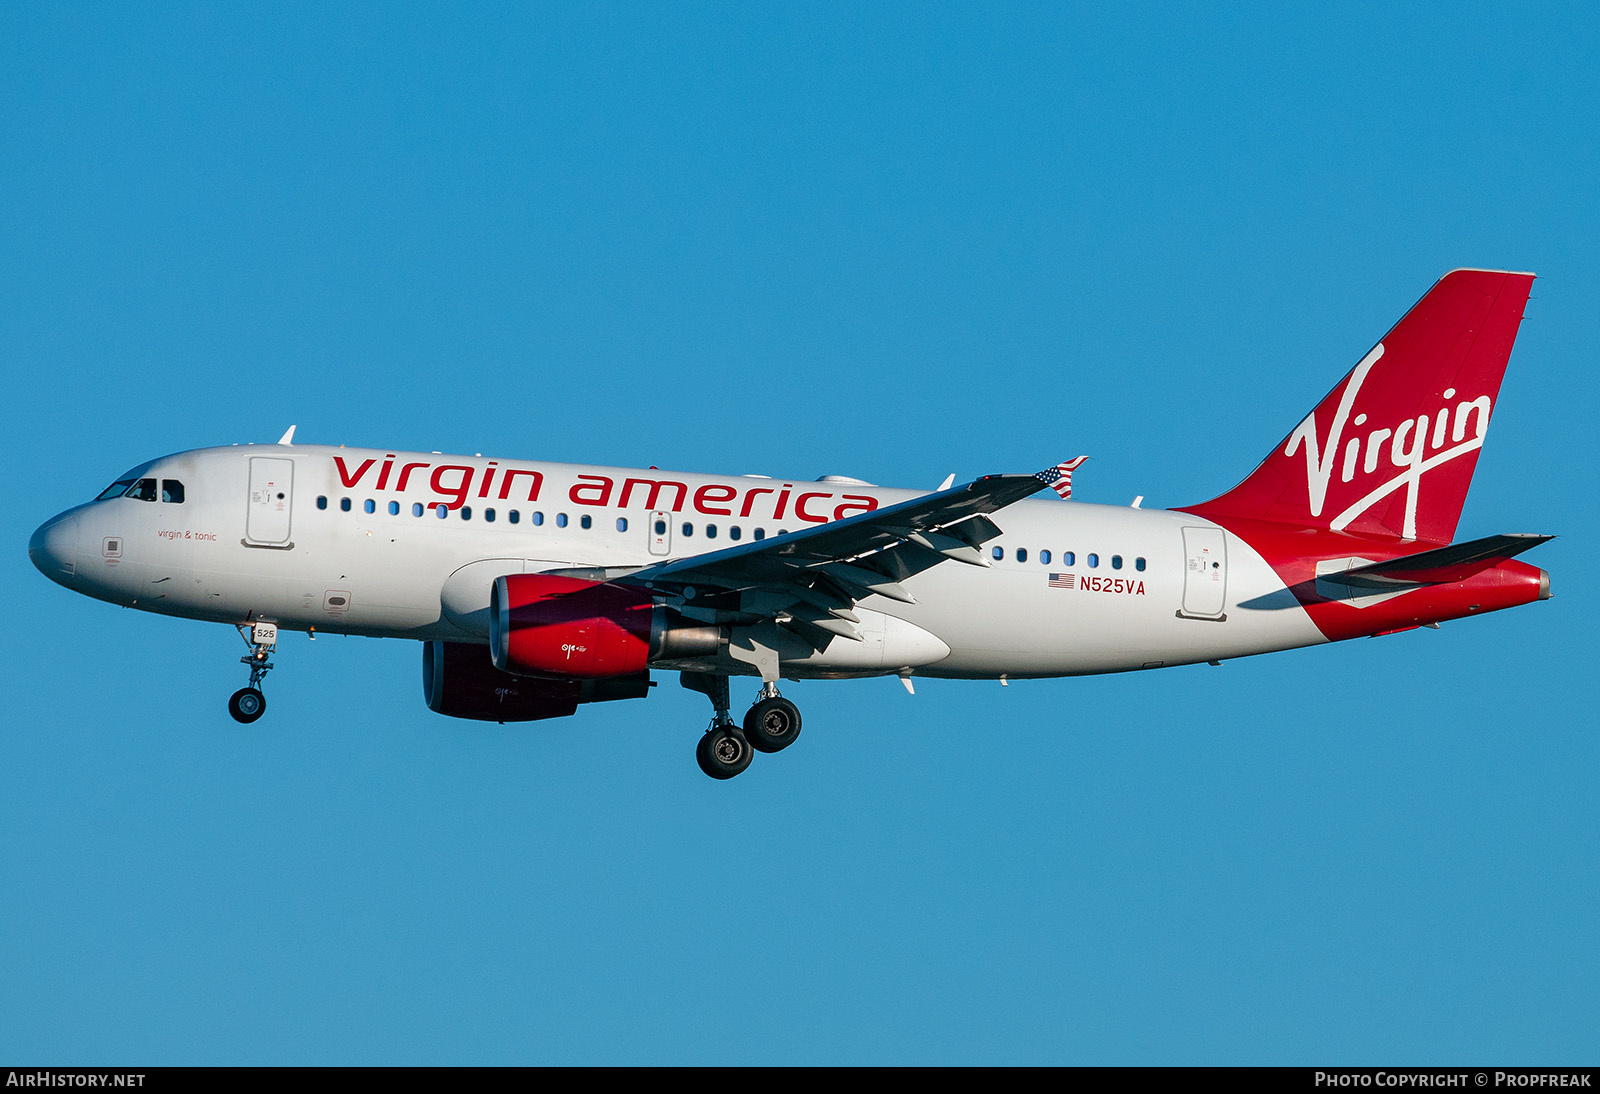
(459, 681)
(547, 625)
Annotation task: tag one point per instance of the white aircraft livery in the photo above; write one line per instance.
(537, 587)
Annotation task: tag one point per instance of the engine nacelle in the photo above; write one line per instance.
(567, 627)
(458, 680)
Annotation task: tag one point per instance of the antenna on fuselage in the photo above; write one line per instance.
(288, 438)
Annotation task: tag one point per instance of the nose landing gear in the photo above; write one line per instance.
(248, 703)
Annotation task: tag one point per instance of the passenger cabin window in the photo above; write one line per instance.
(1138, 564)
(513, 516)
(1044, 558)
(143, 490)
(344, 504)
(172, 490)
(394, 509)
(586, 522)
(1094, 560)
(369, 506)
(322, 501)
(622, 524)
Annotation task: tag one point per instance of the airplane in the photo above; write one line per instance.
(535, 588)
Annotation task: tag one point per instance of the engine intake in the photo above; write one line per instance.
(567, 627)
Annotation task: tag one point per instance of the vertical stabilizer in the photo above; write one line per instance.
(1391, 450)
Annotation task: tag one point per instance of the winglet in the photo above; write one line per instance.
(288, 438)
(1059, 477)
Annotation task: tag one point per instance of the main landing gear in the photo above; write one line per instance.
(247, 704)
(771, 725)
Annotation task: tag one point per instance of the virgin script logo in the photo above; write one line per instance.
(1414, 447)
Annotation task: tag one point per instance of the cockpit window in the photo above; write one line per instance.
(143, 490)
(116, 489)
(171, 490)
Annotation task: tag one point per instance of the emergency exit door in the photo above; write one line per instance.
(661, 533)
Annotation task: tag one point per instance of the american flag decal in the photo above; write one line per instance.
(1063, 581)
(1059, 477)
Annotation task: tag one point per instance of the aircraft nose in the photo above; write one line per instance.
(53, 547)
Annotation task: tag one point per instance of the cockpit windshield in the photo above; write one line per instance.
(116, 489)
(171, 490)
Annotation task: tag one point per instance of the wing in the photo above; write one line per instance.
(809, 580)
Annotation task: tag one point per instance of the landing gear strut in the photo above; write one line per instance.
(725, 750)
(247, 704)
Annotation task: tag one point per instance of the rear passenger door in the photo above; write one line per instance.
(1205, 573)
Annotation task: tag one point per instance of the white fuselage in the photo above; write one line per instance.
(407, 545)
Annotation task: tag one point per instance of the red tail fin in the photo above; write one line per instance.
(1391, 449)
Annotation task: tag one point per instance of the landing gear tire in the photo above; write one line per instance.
(723, 752)
(246, 705)
(772, 724)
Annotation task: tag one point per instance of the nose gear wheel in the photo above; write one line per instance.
(246, 705)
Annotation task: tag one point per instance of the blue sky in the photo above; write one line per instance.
(879, 241)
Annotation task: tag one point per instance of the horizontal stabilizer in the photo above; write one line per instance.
(1441, 566)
